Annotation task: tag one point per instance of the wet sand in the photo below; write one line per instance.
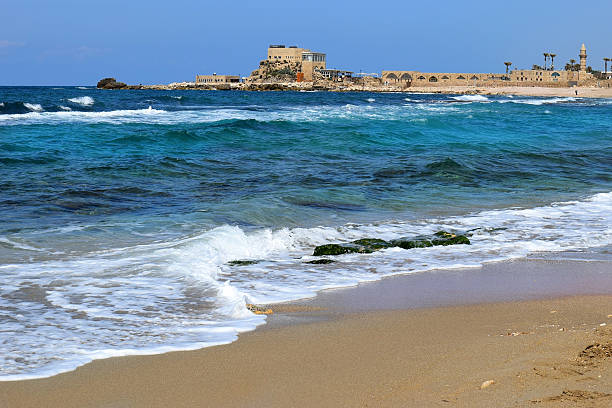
(423, 340)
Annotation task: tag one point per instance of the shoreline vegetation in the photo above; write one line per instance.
(442, 338)
(545, 91)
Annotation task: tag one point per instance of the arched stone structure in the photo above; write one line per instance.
(391, 77)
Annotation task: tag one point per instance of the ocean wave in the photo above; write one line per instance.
(539, 101)
(35, 107)
(184, 294)
(470, 98)
(12, 108)
(293, 114)
(82, 100)
(116, 116)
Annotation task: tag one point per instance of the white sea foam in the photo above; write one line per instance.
(193, 115)
(540, 101)
(471, 98)
(371, 99)
(35, 107)
(117, 116)
(82, 100)
(65, 108)
(82, 87)
(183, 294)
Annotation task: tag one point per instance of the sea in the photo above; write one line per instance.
(121, 211)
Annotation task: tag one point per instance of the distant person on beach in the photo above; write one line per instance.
(576, 92)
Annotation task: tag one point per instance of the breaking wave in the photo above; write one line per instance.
(117, 116)
(34, 107)
(184, 294)
(82, 100)
(471, 98)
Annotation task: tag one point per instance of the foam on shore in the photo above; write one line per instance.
(200, 298)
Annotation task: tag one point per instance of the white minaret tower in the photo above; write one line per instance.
(583, 57)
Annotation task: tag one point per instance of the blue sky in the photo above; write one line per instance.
(64, 42)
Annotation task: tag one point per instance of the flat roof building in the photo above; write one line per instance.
(308, 60)
(217, 79)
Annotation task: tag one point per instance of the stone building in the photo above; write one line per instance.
(215, 79)
(289, 61)
(417, 78)
(524, 77)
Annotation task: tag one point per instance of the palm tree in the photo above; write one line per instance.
(545, 59)
(552, 61)
(573, 62)
(606, 70)
(507, 64)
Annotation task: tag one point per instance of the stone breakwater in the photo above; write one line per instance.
(111, 83)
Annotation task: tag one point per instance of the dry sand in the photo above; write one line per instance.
(341, 356)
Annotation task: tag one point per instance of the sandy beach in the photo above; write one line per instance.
(515, 339)
(581, 92)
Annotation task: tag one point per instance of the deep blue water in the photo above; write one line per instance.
(112, 201)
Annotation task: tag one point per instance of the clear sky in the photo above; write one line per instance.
(65, 42)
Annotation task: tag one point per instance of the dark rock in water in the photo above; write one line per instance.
(243, 262)
(446, 238)
(372, 243)
(409, 243)
(361, 246)
(334, 249)
(110, 83)
(320, 261)
(369, 245)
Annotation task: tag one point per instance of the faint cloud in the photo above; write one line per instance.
(7, 43)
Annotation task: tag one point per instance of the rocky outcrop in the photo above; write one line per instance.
(369, 245)
(110, 83)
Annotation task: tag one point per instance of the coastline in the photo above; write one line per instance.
(537, 91)
(426, 339)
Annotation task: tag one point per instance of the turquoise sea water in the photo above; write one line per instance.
(119, 210)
